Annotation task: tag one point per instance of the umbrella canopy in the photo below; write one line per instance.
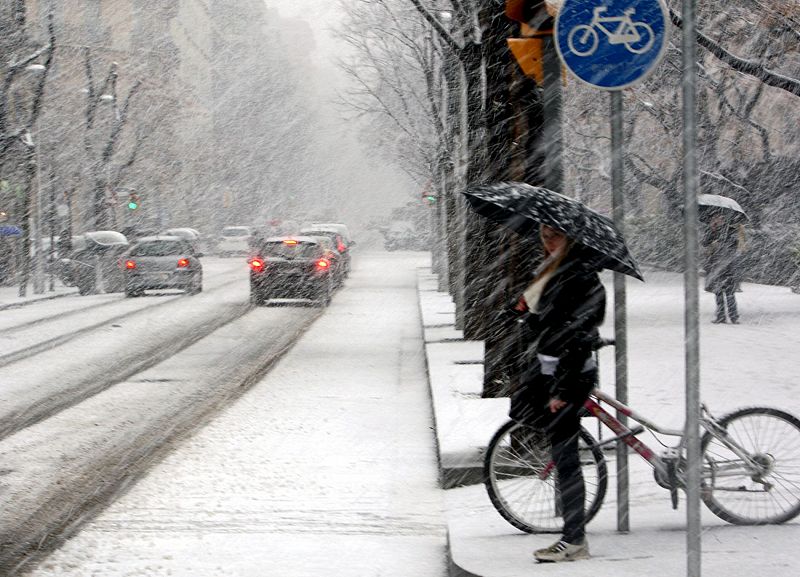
(710, 204)
(522, 208)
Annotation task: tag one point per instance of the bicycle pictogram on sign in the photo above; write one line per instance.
(611, 44)
(637, 37)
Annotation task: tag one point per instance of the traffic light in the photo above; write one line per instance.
(526, 10)
(133, 201)
(529, 50)
(429, 198)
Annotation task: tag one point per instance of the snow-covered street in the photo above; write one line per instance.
(328, 464)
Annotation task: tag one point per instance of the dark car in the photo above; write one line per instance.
(162, 262)
(87, 252)
(338, 264)
(291, 267)
(341, 243)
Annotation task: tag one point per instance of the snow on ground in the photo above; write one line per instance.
(754, 363)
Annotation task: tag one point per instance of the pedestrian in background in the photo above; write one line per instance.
(721, 242)
(564, 306)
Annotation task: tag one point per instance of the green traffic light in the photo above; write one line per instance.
(133, 205)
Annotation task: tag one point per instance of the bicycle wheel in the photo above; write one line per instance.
(520, 477)
(764, 491)
(645, 41)
(582, 40)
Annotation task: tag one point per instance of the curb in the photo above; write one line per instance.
(35, 300)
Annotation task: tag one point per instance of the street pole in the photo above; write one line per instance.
(620, 303)
(691, 296)
(38, 276)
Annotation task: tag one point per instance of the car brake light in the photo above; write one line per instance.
(130, 265)
(256, 264)
(183, 262)
(340, 247)
(289, 241)
(323, 264)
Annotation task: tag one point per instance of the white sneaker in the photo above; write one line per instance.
(563, 551)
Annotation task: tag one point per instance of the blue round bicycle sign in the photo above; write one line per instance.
(611, 44)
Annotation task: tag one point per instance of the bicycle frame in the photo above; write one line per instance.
(626, 434)
(623, 32)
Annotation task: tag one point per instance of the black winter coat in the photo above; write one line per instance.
(570, 310)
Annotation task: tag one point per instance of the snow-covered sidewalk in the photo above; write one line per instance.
(9, 295)
(754, 363)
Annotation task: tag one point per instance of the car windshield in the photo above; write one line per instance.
(290, 250)
(235, 232)
(159, 248)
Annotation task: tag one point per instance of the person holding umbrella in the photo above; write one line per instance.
(564, 305)
(721, 242)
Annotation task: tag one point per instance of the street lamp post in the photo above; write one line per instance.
(38, 272)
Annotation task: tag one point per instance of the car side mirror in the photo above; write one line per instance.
(198, 254)
(352, 243)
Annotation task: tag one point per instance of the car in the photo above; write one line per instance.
(190, 235)
(336, 258)
(297, 267)
(332, 226)
(338, 234)
(234, 241)
(404, 235)
(162, 262)
(85, 253)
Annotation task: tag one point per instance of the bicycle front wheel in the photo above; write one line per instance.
(521, 479)
(764, 487)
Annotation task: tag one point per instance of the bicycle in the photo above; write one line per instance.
(637, 37)
(750, 465)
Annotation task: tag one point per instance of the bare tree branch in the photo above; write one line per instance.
(749, 67)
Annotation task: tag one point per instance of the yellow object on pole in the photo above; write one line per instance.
(530, 56)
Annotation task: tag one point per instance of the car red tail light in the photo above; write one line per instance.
(323, 264)
(183, 263)
(130, 264)
(257, 264)
(340, 247)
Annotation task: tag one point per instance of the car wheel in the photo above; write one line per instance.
(85, 289)
(325, 294)
(196, 286)
(131, 292)
(257, 297)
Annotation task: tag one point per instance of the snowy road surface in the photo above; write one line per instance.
(326, 466)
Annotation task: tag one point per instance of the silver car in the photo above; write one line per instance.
(162, 262)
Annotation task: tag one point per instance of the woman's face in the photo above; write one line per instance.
(554, 241)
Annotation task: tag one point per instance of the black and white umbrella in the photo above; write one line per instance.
(523, 208)
(709, 205)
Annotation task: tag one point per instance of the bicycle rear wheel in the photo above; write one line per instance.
(764, 491)
(520, 477)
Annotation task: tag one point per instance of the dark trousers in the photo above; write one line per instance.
(727, 296)
(563, 434)
(562, 429)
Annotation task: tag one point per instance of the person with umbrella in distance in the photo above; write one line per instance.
(721, 242)
(564, 305)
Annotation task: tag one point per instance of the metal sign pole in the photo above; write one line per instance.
(620, 316)
(691, 295)
(606, 60)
